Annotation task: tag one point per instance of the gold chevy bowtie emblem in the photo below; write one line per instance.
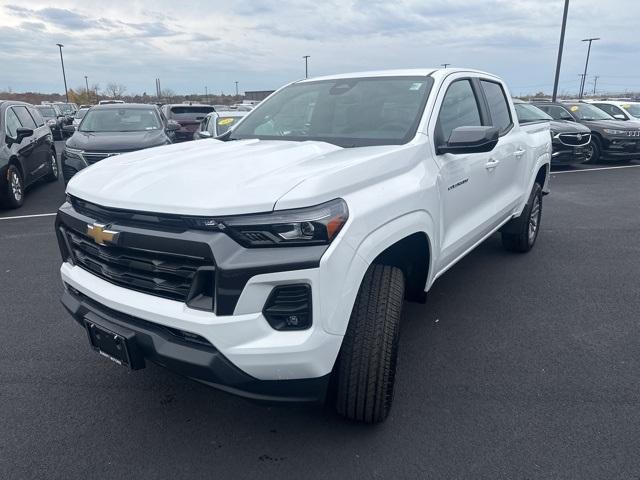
(100, 235)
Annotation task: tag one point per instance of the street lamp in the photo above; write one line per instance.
(66, 93)
(560, 47)
(86, 82)
(444, 65)
(306, 66)
(236, 88)
(586, 63)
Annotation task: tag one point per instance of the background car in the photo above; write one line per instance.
(619, 110)
(54, 119)
(570, 140)
(27, 151)
(217, 123)
(611, 139)
(112, 129)
(188, 116)
(77, 118)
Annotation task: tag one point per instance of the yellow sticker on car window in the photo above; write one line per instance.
(226, 121)
(626, 106)
(575, 108)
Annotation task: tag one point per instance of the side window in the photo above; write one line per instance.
(498, 106)
(459, 109)
(558, 113)
(13, 124)
(36, 116)
(25, 118)
(612, 110)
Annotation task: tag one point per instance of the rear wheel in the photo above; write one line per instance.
(54, 172)
(367, 362)
(520, 234)
(14, 195)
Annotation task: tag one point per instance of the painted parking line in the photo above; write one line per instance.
(29, 216)
(595, 169)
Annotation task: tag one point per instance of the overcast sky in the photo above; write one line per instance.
(260, 43)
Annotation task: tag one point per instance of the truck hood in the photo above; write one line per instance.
(210, 177)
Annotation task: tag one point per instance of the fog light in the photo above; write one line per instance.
(289, 307)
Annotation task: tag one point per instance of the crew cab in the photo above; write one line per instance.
(273, 263)
(27, 151)
(611, 139)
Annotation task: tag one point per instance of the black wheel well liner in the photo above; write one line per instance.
(412, 255)
(543, 173)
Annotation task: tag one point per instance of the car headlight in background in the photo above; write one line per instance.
(73, 153)
(316, 225)
(612, 131)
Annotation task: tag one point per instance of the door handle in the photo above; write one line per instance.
(491, 164)
(519, 152)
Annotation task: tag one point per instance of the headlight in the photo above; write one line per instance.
(73, 153)
(612, 131)
(317, 225)
(51, 123)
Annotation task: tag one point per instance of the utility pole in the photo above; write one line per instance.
(560, 48)
(581, 75)
(236, 88)
(206, 94)
(86, 82)
(595, 83)
(306, 66)
(586, 63)
(444, 65)
(64, 76)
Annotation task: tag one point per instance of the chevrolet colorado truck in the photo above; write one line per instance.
(272, 262)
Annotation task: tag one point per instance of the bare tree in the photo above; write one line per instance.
(114, 90)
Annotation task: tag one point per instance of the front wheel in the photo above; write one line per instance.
(367, 361)
(594, 151)
(520, 234)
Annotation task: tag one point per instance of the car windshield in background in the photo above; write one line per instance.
(224, 124)
(529, 113)
(350, 112)
(48, 112)
(66, 109)
(81, 113)
(120, 120)
(632, 108)
(189, 113)
(584, 111)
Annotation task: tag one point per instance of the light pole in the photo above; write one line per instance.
(86, 82)
(586, 63)
(560, 47)
(444, 65)
(64, 76)
(306, 66)
(236, 88)
(206, 94)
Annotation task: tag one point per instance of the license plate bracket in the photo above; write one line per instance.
(109, 344)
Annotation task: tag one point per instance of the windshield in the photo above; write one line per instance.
(190, 113)
(47, 111)
(66, 108)
(350, 112)
(120, 120)
(632, 108)
(584, 111)
(530, 113)
(81, 113)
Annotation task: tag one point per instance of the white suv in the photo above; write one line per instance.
(276, 259)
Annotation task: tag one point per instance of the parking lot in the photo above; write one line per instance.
(518, 366)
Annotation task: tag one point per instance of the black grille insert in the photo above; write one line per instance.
(166, 275)
(575, 139)
(289, 307)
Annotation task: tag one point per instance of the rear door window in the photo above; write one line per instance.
(498, 106)
(36, 116)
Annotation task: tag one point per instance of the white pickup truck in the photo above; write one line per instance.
(273, 262)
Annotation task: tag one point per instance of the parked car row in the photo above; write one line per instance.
(589, 132)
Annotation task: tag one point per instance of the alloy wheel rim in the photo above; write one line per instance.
(590, 152)
(534, 220)
(16, 187)
(54, 166)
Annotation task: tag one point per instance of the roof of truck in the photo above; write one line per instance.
(408, 72)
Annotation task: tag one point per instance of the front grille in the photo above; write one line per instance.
(575, 139)
(166, 275)
(633, 133)
(93, 157)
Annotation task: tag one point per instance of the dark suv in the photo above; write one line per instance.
(54, 118)
(27, 151)
(611, 139)
(570, 140)
(188, 116)
(108, 130)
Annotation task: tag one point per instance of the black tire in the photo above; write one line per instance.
(520, 234)
(595, 151)
(14, 195)
(367, 361)
(54, 170)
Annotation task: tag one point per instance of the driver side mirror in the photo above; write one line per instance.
(21, 134)
(205, 134)
(172, 126)
(619, 116)
(470, 140)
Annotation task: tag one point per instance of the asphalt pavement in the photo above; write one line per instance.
(517, 367)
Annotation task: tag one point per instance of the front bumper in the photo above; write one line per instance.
(621, 148)
(197, 360)
(568, 155)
